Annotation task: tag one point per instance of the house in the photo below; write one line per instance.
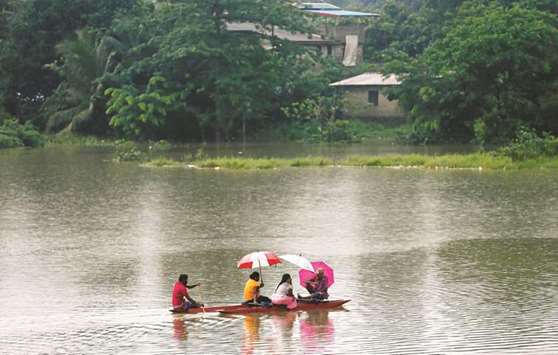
(311, 40)
(338, 37)
(345, 29)
(365, 98)
(326, 9)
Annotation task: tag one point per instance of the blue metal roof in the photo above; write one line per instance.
(339, 13)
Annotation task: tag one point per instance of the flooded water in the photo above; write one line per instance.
(433, 261)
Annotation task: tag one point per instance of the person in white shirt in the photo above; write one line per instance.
(283, 294)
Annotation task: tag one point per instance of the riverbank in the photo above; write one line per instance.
(343, 132)
(448, 161)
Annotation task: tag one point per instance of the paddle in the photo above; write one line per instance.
(201, 298)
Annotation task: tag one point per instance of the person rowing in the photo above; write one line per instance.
(252, 290)
(181, 300)
(283, 294)
(317, 287)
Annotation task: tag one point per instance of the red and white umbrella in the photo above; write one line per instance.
(258, 259)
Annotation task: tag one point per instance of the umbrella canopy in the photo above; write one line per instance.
(258, 259)
(298, 260)
(305, 275)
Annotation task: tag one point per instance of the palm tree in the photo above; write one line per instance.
(79, 103)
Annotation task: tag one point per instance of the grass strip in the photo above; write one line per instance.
(447, 161)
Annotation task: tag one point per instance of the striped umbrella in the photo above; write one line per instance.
(258, 259)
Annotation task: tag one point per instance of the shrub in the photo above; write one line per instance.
(127, 151)
(160, 146)
(529, 145)
(340, 131)
(30, 136)
(9, 141)
(13, 134)
(551, 146)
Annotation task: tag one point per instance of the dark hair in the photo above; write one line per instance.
(183, 278)
(255, 275)
(284, 278)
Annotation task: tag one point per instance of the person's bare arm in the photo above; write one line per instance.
(193, 301)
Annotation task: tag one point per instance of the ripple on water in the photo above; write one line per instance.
(434, 262)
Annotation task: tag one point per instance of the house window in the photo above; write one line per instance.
(373, 97)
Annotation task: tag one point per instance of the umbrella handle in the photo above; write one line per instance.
(261, 275)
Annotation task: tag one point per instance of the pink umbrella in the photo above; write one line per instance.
(305, 275)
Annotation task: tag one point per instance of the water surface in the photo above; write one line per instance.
(433, 261)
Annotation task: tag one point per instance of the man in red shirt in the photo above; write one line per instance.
(181, 300)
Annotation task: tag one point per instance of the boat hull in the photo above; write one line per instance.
(278, 309)
(214, 309)
(242, 309)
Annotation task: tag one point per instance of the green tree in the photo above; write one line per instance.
(32, 29)
(406, 28)
(79, 103)
(221, 78)
(486, 78)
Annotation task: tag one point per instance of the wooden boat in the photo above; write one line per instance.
(243, 309)
(213, 309)
(302, 306)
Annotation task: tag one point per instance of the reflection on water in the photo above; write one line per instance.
(433, 261)
(179, 327)
(317, 333)
(252, 325)
(281, 333)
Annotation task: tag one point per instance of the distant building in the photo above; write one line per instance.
(314, 41)
(364, 97)
(326, 9)
(337, 37)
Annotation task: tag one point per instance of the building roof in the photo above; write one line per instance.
(326, 9)
(297, 37)
(369, 79)
(343, 13)
(318, 6)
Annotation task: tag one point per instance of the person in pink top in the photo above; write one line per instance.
(181, 300)
(283, 294)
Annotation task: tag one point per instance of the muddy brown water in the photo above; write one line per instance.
(433, 261)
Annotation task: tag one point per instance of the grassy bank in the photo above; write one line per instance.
(348, 131)
(450, 161)
(79, 140)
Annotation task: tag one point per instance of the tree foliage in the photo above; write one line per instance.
(486, 78)
(31, 31)
(215, 77)
(473, 69)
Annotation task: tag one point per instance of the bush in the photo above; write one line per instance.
(341, 131)
(160, 146)
(551, 146)
(352, 131)
(30, 136)
(128, 151)
(13, 134)
(529, 145)
(9, 141)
